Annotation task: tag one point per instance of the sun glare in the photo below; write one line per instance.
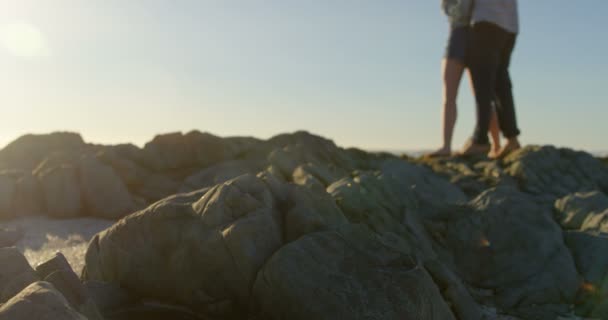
(24, 40)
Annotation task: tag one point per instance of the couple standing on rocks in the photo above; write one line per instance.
(482, 38)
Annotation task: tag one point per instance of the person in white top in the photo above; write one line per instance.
(453, 65)
(495, 25)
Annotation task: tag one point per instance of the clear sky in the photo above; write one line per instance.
(362, 72)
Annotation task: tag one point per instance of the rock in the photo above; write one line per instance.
(431, 190)
(196, 251)
(373, 200)
(15, 273)
(505, 241)
(558, 172)
(313, 175)
(157, 186)
(104, 193)
(123, 159)
(28, 200)
(354, 275)
(585, 211)
(59, 273)
(217, 174)
(471, 175)
(40, 300)
(8, 187)
(310, 211)
(29, 150)
(382, 199)
(108, 297)
(454, 291)
(178, 151)
(56, 263)
(301, 148)
(61, 189)
(154, 310)
(589, 252)
(10, 236)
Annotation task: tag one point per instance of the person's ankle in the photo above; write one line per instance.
(513, 142)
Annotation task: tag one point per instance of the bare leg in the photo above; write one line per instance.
(452, 71)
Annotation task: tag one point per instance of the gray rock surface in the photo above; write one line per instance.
(586, 211)
(353, 274)
(15, 273)
(104, 194)
(40, 300)
(201, 251)
(506, 242)
(479, 239)
(558, 172)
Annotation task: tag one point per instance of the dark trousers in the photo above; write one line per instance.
(489, 58)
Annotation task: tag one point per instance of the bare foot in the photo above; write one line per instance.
(472, 149)
(511, 145)
(441, 152)
(495, 151)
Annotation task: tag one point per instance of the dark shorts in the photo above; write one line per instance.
(458, 42)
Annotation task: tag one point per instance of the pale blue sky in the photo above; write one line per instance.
(364, 73)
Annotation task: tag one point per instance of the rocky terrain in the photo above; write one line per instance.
(295, 227)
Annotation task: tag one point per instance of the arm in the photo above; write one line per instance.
(458, 11)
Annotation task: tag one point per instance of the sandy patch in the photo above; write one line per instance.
(43, 237)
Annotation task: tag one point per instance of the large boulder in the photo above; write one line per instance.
(29, 150)
(472, 175)
(8, 188)
(20, 194)
(40, 300)
(505, 241)
(104, 193)
(350, 273)
(124, 160)
(585, 211)
(554, 173)
(589, 252)
(301, 148)
(28, 199)
(177, 151)
(15, 273)
(217, 174)
(61, 190)
(382, 199)
(202, 251)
